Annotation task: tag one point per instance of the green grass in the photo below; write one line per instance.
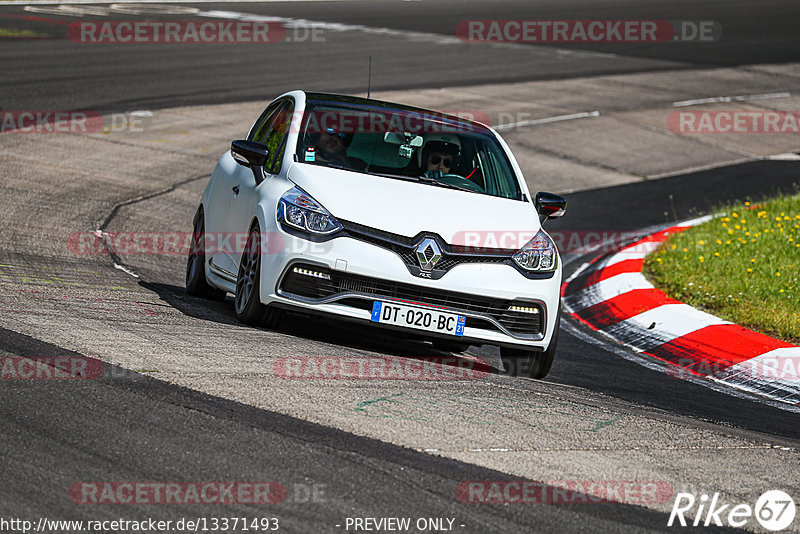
(742, 266)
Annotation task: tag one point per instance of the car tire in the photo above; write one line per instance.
(247, 302)
(196, 283)
(531, 363)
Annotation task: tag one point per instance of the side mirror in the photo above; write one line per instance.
(251, 154)
(549, 205)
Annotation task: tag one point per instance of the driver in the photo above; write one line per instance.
(440, 160)
(440, 154)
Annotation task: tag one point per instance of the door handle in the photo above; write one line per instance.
(235, 190)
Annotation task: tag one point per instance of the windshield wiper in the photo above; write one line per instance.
(434, 181)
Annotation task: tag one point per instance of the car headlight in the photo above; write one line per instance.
(298, 209)
(538, 255)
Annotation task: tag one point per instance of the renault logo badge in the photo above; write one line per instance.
(428, 254)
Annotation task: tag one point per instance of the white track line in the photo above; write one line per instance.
(83, 2)
(547, 120)
(717, 99)
(125, 270)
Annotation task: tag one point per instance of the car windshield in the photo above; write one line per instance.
(405, 144)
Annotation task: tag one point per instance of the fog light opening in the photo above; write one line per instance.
(312, 274)
(524, 309)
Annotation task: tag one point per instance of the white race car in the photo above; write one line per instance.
(383, 214)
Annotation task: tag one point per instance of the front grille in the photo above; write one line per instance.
(449, 261)
(405, 247)
(519, 323)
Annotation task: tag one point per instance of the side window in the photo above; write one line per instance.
(261, 127)
(271, 130)
(497, 174)
(276, 138)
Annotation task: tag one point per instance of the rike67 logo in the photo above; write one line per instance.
(774, 510)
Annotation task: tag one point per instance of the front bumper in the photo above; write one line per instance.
(359, 273)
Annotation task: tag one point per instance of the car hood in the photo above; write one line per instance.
(408, 208)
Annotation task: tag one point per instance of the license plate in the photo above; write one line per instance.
(419, 318)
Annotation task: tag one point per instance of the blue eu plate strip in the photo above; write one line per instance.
(460, 325)
(376, 311)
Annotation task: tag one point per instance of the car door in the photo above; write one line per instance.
(273, 134)
(227, 180)
(218, 204)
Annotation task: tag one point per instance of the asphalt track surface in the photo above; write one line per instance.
(56, 73)
(135, 427)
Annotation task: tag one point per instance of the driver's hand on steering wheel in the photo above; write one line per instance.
(434, 175)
